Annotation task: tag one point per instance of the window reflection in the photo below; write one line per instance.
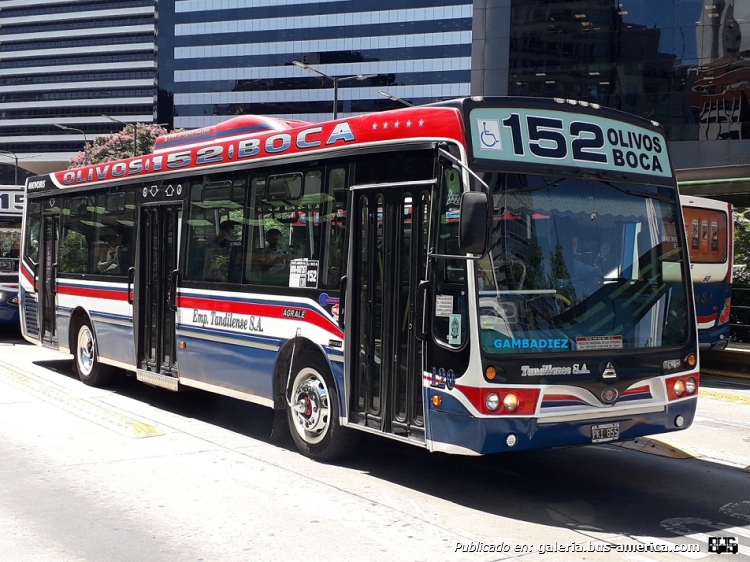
(680, 63)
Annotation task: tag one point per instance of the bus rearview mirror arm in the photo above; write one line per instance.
(448, 160)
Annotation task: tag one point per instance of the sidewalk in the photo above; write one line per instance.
(733, 362)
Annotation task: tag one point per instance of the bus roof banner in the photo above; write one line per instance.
(544, 137)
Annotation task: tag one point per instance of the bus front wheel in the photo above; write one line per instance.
(88, 367)
(313, 411)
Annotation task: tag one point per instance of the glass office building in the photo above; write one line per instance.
(229, 57)
(192, 63)
(684, 63)
(67, 63)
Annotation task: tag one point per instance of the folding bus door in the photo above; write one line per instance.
(47, 283)
(156, 277)
(389, 245)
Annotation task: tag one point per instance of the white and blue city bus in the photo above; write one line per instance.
(11, 215)
(710, 229)
(472, 276)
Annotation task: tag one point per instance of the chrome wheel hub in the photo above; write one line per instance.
(85, 355)
(310, 406)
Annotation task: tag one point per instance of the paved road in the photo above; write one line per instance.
(139, 473)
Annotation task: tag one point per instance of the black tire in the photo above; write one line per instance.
(313, 410)
(86, 358)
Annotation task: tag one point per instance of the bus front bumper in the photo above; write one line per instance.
(452, 431)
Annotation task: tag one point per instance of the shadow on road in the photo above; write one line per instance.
(603, 488)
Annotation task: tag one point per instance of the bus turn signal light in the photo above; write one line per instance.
(724, 318)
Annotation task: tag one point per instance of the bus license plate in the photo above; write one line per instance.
(605, 432)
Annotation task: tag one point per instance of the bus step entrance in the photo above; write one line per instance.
(162, 381)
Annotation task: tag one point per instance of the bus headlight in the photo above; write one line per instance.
(679, 387)
(510, 402)
(690, 385)
(492, 402)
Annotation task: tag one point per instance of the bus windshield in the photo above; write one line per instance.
(581, 265)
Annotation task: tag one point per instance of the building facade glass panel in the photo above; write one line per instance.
(233, 57)
(679, 62)
(69, 63)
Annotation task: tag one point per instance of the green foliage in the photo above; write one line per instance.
(73, 253)
(742, 247)
(106, 148)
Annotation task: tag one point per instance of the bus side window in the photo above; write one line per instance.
(215, 229)
(450, 309)
(332, 265)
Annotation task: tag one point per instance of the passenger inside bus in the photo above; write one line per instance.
(216, 264)
(275, 259)
(111, 261)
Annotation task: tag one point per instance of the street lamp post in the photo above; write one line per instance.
(135, 132)
(85, 140)
(335, 80)
(15, 161)
(395, 98)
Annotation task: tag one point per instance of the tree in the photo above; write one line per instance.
(106, 148)
(741, 247)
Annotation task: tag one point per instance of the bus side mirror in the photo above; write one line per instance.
(474, 223)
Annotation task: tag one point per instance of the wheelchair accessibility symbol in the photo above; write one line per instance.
(489, 134)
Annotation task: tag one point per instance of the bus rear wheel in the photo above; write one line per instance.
(86, 361)
(313, 411)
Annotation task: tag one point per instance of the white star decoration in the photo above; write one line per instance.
(396, 124)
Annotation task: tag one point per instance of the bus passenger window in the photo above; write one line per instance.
(219, 252)
(111, 261)
(215, 229)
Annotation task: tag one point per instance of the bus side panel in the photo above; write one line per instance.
(110, 314)
(115, 340)
(239, 366)
(710, 301)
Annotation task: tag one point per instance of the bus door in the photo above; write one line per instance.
(383, 312)
(155, 280)
(47, 281)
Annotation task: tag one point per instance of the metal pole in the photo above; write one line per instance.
(15, 163)
(335, 97)
(135, 140)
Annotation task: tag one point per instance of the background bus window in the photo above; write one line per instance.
(707, 234)
(10, 242)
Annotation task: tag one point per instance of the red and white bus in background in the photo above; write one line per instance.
(472, 276)
(11, 215)
(710, 230)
